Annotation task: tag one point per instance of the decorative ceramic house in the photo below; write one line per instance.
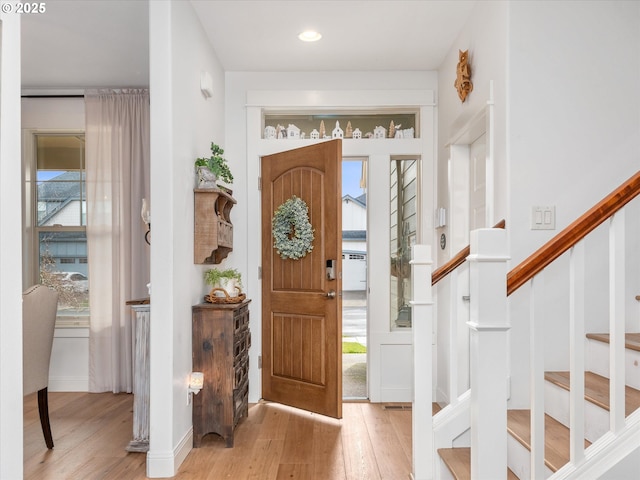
(379, 132)
(293, 132)
(269, 132)
(408, 133)
(357, 134)
(337, 132)
(314, 135)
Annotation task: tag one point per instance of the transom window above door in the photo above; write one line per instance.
(357, 125)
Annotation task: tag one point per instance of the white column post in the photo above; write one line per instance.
(422, 323)
(488, 353)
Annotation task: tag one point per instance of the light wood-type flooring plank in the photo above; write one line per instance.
(387, 449)
(556, 437)
(632, 340)
(359, 457)
(91, 431)
(596, 390)
(458, 461)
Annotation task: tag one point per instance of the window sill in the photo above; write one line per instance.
(72, 322)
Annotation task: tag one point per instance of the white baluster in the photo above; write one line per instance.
(617, 320)
(536, 379)
(576, 349)
(454, 299)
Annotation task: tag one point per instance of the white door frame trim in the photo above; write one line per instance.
(422, 146)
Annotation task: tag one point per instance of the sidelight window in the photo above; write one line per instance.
(403, 230)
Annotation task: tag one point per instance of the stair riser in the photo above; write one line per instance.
(519, 459)
(556, 404)
(597, 360)
(445, 473)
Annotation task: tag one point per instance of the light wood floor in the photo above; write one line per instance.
(90, 432)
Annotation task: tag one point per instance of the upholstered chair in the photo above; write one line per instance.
(39, 308)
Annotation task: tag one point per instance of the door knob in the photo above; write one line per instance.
(330, 294)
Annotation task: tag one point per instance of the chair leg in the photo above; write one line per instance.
(43, 408)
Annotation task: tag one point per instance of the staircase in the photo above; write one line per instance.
(557, 436)
(557, 418)
(583, 422)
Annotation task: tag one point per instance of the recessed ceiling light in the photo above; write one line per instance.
(309, 36)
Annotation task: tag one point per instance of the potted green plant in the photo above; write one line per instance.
(228, 280)
(210, 169)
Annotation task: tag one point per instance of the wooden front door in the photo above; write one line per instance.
(301, 306)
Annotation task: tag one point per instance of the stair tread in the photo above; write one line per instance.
(632, 340)
(556, 438)
(458, 461)
(596, 389)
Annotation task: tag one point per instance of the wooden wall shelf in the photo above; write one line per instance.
(213, 230)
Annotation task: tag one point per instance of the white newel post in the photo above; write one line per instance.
(422, 323)
(488, 353)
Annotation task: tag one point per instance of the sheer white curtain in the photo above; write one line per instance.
(117, 166)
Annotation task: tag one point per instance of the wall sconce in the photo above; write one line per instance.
(146, 218)
(196, 381)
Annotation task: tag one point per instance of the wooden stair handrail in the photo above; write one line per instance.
(571, 235)
(456, 261)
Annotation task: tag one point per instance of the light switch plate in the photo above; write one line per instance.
(543, 218)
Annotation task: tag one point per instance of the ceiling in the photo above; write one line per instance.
(104, 43)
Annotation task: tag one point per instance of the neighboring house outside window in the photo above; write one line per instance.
(354, 242)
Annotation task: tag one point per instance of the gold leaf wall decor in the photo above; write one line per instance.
(463, 76)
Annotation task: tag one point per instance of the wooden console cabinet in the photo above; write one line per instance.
(213, 230)
(221, 341)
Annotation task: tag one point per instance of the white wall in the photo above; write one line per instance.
(485, 37)
(10, 248)
(566, 132)
(69, 370)
(574, 135)
(183, 124)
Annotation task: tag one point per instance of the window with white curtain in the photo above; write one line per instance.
(58, 195)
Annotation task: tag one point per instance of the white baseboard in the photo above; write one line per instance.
(160, 464)
(183, 448)
(396, 395)
(166, 464)
(61, 383)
